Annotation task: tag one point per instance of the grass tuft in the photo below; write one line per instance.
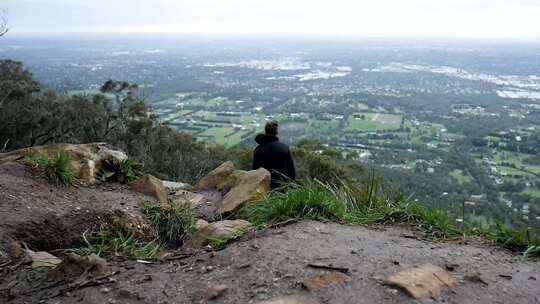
(173, 223)
(367, 203)
(56, 168)
(119, 243)
(121, 171)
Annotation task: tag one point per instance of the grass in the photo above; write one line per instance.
(123, 171)
(367, 203)
(119, 243)
(173, 223)
(56, 168)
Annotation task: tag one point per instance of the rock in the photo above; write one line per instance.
(43, 259)
(86, 159)
(423, 281)
(251, 186)
(151, 186)
(131, 222)
(289, 300)
(223, 230)
(176, 186)
(215, 291)
(326, 280)
(239, 187)
(221, 178)
(14, 249)
(74, 265)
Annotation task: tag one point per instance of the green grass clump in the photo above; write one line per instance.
(522, 240)
(119, 243)
(310, 200)
(121, 171)
(367, 203)
(347, 203)
(173, 223)
(56, 168)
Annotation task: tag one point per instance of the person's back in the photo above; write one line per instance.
(274, 156)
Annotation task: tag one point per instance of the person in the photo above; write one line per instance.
(274, 156)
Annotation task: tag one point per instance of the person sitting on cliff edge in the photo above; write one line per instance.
(274, 156)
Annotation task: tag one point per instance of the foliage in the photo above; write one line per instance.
(522, 240)
(121, 171)
(119, 243)
(173, 223)
(56, 168)
(314, 161)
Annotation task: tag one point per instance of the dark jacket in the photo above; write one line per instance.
(275, 157)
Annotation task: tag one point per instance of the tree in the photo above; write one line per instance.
(3, 25)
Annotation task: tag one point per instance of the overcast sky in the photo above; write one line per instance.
(363, 18)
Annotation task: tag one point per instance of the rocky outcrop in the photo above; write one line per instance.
(151, 186)
(86, 159)
(239, 187)
(221, 231)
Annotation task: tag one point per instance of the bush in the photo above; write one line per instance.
(173, 223)
(56, 168)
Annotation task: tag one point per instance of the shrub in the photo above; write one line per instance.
(173, 223)
(56, 168)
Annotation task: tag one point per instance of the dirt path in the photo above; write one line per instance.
(262, 267)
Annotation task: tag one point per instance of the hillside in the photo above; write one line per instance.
(249, 266)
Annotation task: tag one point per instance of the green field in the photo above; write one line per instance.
(532, 192)
(373, 122)
(461, 177)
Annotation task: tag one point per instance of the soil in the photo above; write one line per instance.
(48, 217)
(259, 266)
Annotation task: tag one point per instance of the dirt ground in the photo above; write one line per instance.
(48, 217)
(257, 267)
(274, 263)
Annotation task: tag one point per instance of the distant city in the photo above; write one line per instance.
(454, 125)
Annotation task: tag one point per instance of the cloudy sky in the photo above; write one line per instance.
(363, 18)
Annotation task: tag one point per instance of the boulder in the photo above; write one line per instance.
(221, 178)
(238, 187)
(86, 159)
(223, 230)
(151, 186)
(250, 187)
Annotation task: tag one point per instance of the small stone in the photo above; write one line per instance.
(215, 291)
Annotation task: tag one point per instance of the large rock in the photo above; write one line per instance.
(250, 187)
(222, 178)
(222, 230)
(86, 159)
(151, 186)
(238, 187)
